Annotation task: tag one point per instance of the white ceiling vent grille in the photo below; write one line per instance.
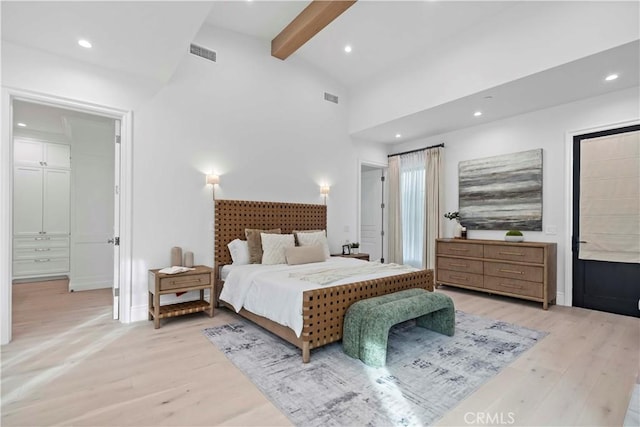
(331, 98)
(203, 52)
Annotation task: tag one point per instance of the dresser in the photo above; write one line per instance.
(525, 270)
(41, 208)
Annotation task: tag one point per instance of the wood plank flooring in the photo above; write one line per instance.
(70, 364)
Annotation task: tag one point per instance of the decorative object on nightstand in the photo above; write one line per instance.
(346, 249)
(355, 247)
(514, 236)
(197, 279)
(176, 256)
(188, 259)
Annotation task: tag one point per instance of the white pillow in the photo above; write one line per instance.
(239, 250)
(314, 239)
(274, 247)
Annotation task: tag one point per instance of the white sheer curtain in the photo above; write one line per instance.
(412, 202)
(395, 212)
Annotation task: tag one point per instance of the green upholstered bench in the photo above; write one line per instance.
(367, 322)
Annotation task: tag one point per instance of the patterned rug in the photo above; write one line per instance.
(426, 375)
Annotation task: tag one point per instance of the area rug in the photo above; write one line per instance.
(426, 375)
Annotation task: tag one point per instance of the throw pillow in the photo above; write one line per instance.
(274, 247)
(255, 244)
(314, 239)
(304, 254)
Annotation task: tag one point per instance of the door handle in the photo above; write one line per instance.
(582, 241)
(110, 241)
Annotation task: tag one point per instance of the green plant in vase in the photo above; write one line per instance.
(455, 215)
(355, 247)
(514, 236)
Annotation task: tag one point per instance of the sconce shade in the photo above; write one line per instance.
(324, 189)
(213, 179)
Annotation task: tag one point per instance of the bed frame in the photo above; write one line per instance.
(323, 309)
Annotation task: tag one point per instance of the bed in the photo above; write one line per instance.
(323, 309)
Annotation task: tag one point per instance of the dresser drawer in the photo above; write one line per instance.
(514, 253)
(171, 283)
(460, 278)
(458, 264)
(40, 242)
(39, 266)
(514, 271)
(513, 286)
(35, 253)
(459, 249)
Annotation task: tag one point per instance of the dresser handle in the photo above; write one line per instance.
(454, 264)
(459, 277)
(511, 253)
(42, 249)
(43, 238)
(459, 250)
(511, 271)
(511, 286)
(42, 260)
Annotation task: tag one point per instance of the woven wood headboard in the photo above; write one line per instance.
(233, 216)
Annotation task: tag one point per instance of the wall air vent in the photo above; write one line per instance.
(331, 98)
(203, 52)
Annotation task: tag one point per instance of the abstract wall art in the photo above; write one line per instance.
(502, 192)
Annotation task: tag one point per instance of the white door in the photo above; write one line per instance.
(27, 201)
(55, 218)
(92, 254)
(28, 153)
(371, 213)
(57, 156)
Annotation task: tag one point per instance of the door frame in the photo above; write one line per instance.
(384, 167)
(567, 298)
(6, 201)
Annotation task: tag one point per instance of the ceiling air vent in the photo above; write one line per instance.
(331, 98)
(203, 52)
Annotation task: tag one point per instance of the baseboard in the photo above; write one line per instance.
(139, 313)
(88, 284)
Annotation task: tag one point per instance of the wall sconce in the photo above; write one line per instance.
(213, 180)
(324, 190)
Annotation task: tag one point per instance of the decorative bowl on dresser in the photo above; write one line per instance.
(525, 270)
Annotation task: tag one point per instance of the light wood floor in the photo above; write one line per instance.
(70, 364)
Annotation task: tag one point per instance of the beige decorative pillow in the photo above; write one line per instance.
(295, 234)
(313, 239)
(255, 244)
(304, 254)
(274, 247)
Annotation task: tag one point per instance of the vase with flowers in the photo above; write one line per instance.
(457, 229)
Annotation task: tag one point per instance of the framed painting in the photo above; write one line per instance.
(502, 192)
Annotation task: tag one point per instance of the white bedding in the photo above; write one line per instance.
(271, 292)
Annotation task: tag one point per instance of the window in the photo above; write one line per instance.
(412, 199)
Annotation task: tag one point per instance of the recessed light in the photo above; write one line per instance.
(22, 125)
(398, 135)
(84, 43)
(347, 48)
(477, 113)
(611, 77)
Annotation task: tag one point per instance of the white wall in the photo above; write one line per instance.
(524, 39)
(544, 129)
(261, 124)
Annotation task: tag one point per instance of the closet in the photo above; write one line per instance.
(41, 208)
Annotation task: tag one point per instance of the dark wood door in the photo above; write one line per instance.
(606, 285)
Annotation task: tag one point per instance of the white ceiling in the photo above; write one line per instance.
(149, 39)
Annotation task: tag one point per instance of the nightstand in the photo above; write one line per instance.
(364, 257)
(199, 279)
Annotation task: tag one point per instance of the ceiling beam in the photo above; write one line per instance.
(307, 24)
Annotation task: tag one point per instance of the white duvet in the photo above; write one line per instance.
(271, 291)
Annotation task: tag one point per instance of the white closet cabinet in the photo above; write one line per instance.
(41, 208)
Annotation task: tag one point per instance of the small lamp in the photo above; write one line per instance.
(213, 180)
(324, 190)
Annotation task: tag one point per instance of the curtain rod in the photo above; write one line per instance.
(416, 150)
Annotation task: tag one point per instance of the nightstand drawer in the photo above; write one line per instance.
(457, 264)
(513, 286)
(514, 271)
(465, 279)
(171, 283)
(459, 249)
(514, 253)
